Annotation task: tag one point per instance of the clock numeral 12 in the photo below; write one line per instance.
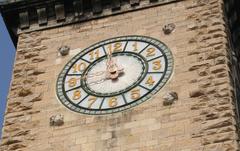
(116, 47)
(112, 102)
(135, 46)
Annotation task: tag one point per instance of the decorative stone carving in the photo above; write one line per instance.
(168, 29)
(169, 98)
(56, 120)
(64, 50)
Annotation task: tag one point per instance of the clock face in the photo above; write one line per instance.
(114, 75)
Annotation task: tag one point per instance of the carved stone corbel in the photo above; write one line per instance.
(60, 12)
(134, 2)
(78, 8)
(153, 1)
(24, 19)
(42, 16)
(116, 5)
(97, 6)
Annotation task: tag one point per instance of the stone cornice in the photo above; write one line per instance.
(26, 16)
(38, 15)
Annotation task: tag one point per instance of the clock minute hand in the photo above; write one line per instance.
(96, 74)
(107, 76)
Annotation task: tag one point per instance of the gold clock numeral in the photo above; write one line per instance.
(150, 81)
(79, 67)
(112, 102)
(135, 46)
(94, 54)
(151, 52)
(72, 82)
(76, 95)
(157, 65)
(75, 68)
(135, 94)
(116, 47)
(91, 101)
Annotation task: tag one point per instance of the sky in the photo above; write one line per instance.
(7, 54)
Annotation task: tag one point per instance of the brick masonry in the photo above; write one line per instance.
(202, 119)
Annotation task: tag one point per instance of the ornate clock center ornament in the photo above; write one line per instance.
(114, 75)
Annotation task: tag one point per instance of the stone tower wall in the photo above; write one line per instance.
(202, 119)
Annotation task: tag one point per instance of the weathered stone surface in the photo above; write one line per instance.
(38, 59)
(218, 69)
(218, 123)
(196, 93)
(38, 71)
(31, 55)
(25, 92)
(216, 117)
(11, 141)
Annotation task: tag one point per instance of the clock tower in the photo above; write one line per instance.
(123, 75)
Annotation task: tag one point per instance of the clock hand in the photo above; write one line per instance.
(109, 60)
(96, 74)
(96, 82)
(106, 77)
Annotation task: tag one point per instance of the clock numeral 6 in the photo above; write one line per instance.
(79, 67)
(94, 54)
(151, 52)
(135, 94)
(76, 95)
(91, 101)
(157, 65)
(112, 102)
(150, 81)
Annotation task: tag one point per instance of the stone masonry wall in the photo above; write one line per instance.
(202, 119)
